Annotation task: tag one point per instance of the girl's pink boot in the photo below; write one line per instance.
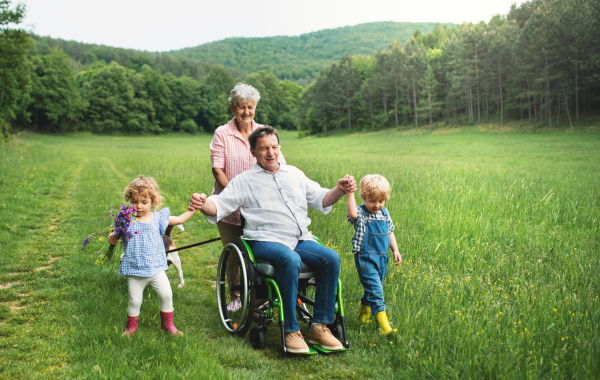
(167, 323)
(132, 324)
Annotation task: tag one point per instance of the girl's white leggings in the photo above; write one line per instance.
(160, 283)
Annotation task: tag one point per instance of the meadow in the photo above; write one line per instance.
(499, 233)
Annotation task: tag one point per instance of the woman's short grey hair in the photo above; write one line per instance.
(243, 93)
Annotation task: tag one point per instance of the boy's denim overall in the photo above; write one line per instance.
(372, 261)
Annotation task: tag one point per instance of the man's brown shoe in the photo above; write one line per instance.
(323, 337)
(295, 343)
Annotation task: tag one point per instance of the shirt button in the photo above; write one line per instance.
(280, 188)
(285, 201)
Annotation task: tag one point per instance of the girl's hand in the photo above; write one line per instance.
(112, 239)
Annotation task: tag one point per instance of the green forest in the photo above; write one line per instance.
(540, 63)
(301, 58)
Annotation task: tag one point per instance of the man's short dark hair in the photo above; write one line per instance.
(260, 132)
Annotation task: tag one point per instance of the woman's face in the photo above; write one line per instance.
(244, 112)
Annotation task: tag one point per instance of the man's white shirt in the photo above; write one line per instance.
(275, 206)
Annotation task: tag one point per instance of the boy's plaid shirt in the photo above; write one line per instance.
(360, 225)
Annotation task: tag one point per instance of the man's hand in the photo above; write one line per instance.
(112, 239)
(197, 201)
(347, 184)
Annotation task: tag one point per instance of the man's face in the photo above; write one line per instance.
(267, 153)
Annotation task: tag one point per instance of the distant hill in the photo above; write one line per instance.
(300, 58)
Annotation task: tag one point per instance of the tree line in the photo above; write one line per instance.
(61, 86)
(539, 64)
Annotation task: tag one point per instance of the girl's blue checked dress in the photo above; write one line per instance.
(145, 253)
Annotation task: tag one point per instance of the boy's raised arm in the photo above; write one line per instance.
(351, 206)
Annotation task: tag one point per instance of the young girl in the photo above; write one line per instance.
(145, 260)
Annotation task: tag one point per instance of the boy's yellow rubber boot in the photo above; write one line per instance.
(364, 314)
(384, 324)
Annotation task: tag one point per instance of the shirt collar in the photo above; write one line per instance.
(235, 132)
(257, 169)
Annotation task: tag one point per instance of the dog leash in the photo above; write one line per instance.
(193, 245)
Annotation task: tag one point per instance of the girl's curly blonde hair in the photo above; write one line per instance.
(375, 186)
(145, 187)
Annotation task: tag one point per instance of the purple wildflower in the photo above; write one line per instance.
(121, 229)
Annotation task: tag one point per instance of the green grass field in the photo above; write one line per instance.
(499, 233)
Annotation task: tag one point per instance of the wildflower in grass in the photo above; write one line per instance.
(87, 240)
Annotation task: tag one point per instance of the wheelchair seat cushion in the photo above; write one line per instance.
(265, 269)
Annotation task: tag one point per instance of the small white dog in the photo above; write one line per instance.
(172, 257)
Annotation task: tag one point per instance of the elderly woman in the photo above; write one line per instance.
(230, 153)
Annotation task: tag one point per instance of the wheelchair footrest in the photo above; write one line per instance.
(322, 350)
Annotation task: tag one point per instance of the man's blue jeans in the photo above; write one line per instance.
(325, 261)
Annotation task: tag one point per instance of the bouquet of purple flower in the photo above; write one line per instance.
(120, 228)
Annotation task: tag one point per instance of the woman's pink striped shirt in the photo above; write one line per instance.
(230, 152)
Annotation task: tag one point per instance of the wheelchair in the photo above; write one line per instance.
(253, 282)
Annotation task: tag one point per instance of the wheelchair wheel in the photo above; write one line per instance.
(236, 288)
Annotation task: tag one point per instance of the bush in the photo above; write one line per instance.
(189, 126)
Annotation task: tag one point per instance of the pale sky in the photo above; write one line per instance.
(161, 25)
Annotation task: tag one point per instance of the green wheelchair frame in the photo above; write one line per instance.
(256, 287)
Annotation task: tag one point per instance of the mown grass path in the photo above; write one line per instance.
(499, 234)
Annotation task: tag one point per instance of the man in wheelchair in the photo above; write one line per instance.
(274, 199)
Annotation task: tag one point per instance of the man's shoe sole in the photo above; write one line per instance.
(298, 350)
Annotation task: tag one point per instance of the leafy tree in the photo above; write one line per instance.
(272, 103)
(56, 103)
(118, 102)
(398, 66)
(291, 97)
(364, 70)
(416, 61)
(161, 97)
(137, 62)
(14, 65)
(222, 83)
(429, 91)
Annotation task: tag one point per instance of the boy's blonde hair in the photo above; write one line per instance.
(145, 187)
(375, 186)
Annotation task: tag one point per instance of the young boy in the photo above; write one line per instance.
(372, 238)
